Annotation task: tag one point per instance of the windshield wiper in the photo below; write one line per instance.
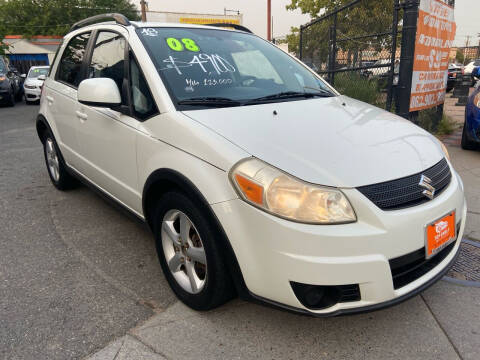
(210, 101)
(290, 95)
(322, 91)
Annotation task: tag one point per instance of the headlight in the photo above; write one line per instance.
(2, 78)
(444, 148)
(285, 196)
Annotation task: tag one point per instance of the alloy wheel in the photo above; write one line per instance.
(184, 251)
(52, 160)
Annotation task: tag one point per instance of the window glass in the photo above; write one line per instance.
(206, 63)
(55, 58)
(71, 62)
(143, 102)
(254, 63)
(108, 59)
(35, 73)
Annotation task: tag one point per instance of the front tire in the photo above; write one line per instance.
(56, 168)
(189, 253)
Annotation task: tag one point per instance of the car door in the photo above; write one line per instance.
(61, 96)
(107, 137)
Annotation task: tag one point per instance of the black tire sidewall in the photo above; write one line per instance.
(218, 285)
(65, 180)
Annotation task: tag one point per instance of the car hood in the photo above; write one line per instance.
(336, 141)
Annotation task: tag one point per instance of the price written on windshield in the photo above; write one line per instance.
(207, 63)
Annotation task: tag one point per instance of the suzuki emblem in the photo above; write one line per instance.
(425, 182)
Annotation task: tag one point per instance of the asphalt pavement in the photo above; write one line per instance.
(75, 272)
(79, 279)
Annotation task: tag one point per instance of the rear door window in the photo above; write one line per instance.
(70, 67)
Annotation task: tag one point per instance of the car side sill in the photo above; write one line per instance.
(106, 196)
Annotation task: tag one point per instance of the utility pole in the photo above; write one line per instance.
(143, 6)
(269, 20)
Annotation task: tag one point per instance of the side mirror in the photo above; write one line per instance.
(100, 92)
(23, 76)
(42, 77)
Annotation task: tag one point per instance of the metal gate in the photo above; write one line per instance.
(354, 47)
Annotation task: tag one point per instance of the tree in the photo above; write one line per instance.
(459, 57)
(54, 17)
(293, 40)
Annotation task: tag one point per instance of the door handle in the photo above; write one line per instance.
(81, 116)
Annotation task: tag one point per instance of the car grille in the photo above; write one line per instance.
(406, 192)
(410, 267)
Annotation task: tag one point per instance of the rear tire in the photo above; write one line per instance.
(56, 167)
(182, 253)
(467, 144)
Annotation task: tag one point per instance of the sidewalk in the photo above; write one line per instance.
(441, 323)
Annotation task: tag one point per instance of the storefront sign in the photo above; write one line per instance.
(435, 34)
(204, 21)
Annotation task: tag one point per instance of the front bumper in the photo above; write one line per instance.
(273, 252)
(32, 94)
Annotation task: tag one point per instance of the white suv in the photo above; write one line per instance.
(256, 177)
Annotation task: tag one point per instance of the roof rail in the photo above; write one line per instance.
(119, 19)
(235, 26)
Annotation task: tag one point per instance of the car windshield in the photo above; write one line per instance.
(35, 73)
(476, 63)
(226, 68)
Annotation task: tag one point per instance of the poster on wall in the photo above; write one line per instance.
(435, 34)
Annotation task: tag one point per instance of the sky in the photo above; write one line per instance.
(467, 18)
(254, 12)
(254, 15)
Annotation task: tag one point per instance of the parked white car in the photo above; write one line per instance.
(34, 82)
(256, 177)
(467, 70)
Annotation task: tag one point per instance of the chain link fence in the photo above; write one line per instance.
(354, 48)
